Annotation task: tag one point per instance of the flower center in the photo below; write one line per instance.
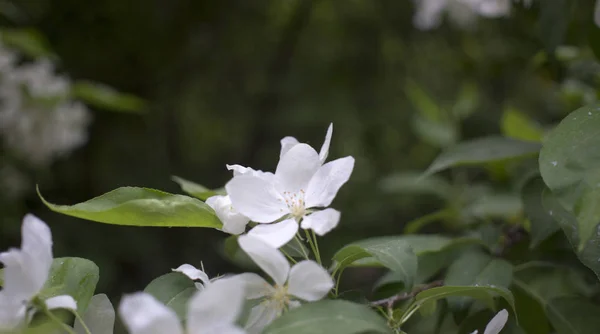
(280, 297)
(295, 202)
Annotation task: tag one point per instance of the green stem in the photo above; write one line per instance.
(85, 327)
(55, 319)
(288, 256)
(313, 247)
(417, 224)
(316, 246)
(297, 238)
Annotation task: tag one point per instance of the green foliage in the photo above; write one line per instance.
(28, 41)
(99, 316)
(542, 224)
(195, 189)
(174, 290)
(329, 317)
(481, 151)
(72, 276)
(518, 126)
(105, 97)
(141, 207)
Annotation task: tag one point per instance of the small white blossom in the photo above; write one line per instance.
(496, 324)
(306, 281)
(25, 273)
(233, 221)
(301, 182)
(462, 12)
(211, 311)
(194, 274)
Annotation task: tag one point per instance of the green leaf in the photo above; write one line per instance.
(518, 126)
(588, 252)
(196, 190)
(497, 205)
(99, 316)
(481, 151)
(424, 104)
(413, 183)
(554, 21)
(329, 317)
(435, 133)
(141, 207)
(72, 276)
(542, 224)
(570, 166)
(105, 97)
(573, 315)
(28, 41)
(467, 101)
(174, 290)
(476, 268)
(393, 253)
(486, 294)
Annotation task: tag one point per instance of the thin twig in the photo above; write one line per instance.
(390, 301)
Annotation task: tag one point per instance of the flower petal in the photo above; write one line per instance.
(497, 323)
(286, 144)
(269, 259)
(26, 270)
(193, 273)
(275, 234)
(63, 301)
(99, 316)
(326, 182)
(309, 281)
(255, 286)
(325, 148)
(239, 170)
(321, 221)
(261, 316)
(143, 314)
(12, 313)
(218, 304)
(256, 198)
(233, 221)
(296, 168)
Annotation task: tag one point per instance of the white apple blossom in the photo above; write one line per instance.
(211, 311)
(462, 12)
(194, 274)
(281, 201)
(233, 221)
(306, 281)
(496, 324)
(25, 273)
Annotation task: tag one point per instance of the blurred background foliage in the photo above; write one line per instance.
(224, 81)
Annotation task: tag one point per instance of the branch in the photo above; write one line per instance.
(390, 301)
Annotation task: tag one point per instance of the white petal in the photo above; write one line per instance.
(12, 313)
(309, 281)
(143, 314)
(26, 270)
(269, 259)
(233, 221)
(255, 286)
(275, 234)
(497, 323)
(261, 316)
(256, 198)
(286, 144)
(99, 316)
(239, 170)
(193, 273)
(597, 13)
(220, 329)
(63, 301)
(220, 303)
(321, 221)
(325, 148)
(326, 182)
(294, 304)
(296, 168)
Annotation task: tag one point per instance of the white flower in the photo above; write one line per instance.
(233, 221)
(496, 324)
(306, 280)
(25, 273)
(194, 274)
(462, 12)
(211, 311)
(301, 182)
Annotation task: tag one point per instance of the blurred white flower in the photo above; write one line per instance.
(306, 281)
(25, 273)
(496, 324)
(461, 12)
(211, 311)
(301, 182)
(37, 119)
(194, 274)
